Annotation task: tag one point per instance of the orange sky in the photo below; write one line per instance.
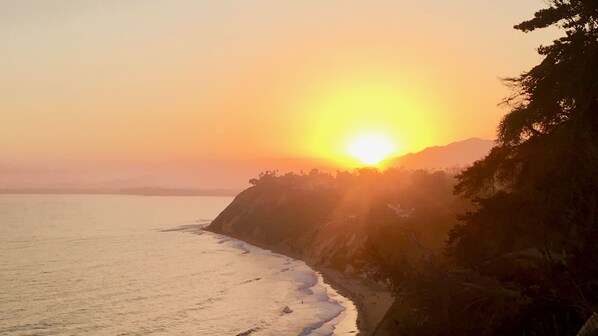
(160, 81)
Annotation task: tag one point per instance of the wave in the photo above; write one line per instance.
(310, 289)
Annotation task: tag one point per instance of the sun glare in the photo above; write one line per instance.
(370, 149)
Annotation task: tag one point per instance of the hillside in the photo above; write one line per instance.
(456, 154)
(361, 224)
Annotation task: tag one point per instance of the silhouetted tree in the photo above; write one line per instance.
(537, 190)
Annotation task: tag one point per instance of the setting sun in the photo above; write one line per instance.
(371, 148)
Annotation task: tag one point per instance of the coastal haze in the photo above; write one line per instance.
(215, 177)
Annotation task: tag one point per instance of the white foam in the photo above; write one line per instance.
(310, 295)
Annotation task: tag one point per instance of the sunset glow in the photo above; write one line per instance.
(371, 148)
(206, 82)
(366, 107)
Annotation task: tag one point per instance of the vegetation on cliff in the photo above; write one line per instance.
(349, 221)
(524, 261)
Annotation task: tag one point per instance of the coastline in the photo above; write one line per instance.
(371, 300)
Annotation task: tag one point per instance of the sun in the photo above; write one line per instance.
(371, 149)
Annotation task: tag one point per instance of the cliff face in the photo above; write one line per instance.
(315, 223)
(354, 221)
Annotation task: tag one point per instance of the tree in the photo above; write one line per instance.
(536, 226)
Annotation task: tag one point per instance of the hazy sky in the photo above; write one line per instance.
(160, 81)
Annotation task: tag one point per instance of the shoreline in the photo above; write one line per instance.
(371, 300)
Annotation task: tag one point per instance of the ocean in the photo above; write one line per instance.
(140, 265)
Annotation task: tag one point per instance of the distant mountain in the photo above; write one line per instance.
(204, 176)
(456, 154)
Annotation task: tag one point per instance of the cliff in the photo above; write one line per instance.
(310, 222)
(359, 226)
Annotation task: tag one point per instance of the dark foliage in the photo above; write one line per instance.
(536, 227)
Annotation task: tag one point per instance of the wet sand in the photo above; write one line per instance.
(372, 300)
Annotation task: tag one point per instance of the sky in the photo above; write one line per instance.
(129, 84)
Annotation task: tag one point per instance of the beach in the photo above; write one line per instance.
(372, 300)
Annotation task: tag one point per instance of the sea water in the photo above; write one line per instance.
(140, 265)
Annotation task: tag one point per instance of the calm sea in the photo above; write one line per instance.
(138, 265)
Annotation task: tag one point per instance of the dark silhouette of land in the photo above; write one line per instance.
(348, 223)
(454, 155)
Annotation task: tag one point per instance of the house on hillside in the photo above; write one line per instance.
(400, 211)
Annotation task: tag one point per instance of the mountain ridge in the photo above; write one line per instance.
(456, 154)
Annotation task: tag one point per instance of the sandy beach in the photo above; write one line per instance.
(372, 300)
